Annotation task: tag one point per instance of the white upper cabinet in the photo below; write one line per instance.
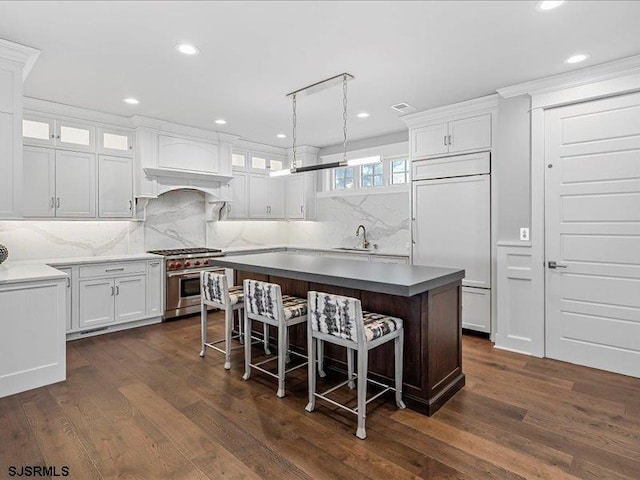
(430, 140)
(75, 136)
(258, 196)
(238, 208)
(295, 197)
(470, 134)
(277, 197)
(181, 153)
(38, 131)
(115, 187)
(115, 142)
(39, 182)
(75, 184)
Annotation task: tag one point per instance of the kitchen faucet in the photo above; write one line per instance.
(365, 243)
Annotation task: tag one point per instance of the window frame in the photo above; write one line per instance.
(387, 176)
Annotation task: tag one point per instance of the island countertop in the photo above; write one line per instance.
(401, 280)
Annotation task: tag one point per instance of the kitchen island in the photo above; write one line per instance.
(428, 299)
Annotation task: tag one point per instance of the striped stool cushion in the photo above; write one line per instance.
(236, 294)
(293, 306)
(376, 325)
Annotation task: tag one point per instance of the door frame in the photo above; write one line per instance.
(616, 78)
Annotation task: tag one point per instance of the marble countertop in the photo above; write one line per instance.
(402, 280)
(263, 248)
(44, 268)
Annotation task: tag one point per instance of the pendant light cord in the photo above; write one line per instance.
(344, 116)
(295, 120)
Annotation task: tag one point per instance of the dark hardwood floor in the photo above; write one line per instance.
(142, 404)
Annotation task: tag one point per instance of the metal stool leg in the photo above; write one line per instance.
(350, 353)
(398, 344)
(311, 352)
(282, 357)
(362, 392)
(203, 327)
(228, 327)
(247, 347)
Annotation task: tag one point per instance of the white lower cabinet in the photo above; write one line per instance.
(476, 309)
(97, 304)
(130, 298)
(155, 306)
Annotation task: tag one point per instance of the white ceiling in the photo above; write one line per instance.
(425, 53)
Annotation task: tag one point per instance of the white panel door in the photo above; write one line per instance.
(39, 181)
(130, 297)
(96, 302)
(75, 184)
(115, 187)
(295, 197)
(470, 134)
(429, 141)
(277, 196)
(592, 224)
(452, 226)
(239, 205)
(258, 195)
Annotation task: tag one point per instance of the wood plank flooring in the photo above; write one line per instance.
(141, 404)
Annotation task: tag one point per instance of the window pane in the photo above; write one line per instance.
(367, 170)
(79, 136)
(237, 160)
(34, 129)
(275, 164)
(377, 181)
(257, 162)
(398, 178)
(115, 142)
(398, 166)
(366, 181)
(377, 168)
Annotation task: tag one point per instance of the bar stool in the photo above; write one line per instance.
(341, 321)
(215, 293)
(265, 303)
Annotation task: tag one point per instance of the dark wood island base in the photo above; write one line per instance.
(433, 335)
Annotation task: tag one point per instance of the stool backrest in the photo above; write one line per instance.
(213, 287)
(263, 299)
(335, 315)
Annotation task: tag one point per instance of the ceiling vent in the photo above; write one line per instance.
(403, 108)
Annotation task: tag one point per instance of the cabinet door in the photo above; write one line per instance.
(429, 141)
(38, 131)
(154, 288)
(67, 270)
(277, 196)
(96, 302)
(258, 195)
(115, 142)
(239, 206)
(75, 136)
(75, 184)
(115, 187)
(295, 197)
(452, 226)
(131, 293)
(39, 167)
(476, 309)
(470, 134)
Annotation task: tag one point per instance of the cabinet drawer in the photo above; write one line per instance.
(456, 166)
(109, 269)
(476, 309)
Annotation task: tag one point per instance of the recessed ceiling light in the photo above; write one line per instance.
(549, 5)
(187, 49)
(281, 135)
(580, 57)
(131, 101)
(221, 121)
(362, 115)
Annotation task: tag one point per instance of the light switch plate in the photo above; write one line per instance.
(524, 234)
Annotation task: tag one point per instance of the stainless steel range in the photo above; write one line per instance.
(182, 285)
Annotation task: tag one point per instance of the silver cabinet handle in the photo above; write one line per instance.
(130, 147)
(554, 265)
(154, 264)
(301, 208)
(130, 206)
(53, 202)
(449, 138)
(58, 137)
(58, 202)
(445, 140)
(53, 136)
(229, 207)
(112, 291)
(114, 269)
(117, 290)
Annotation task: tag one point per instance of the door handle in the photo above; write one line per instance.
(445, 140)
(112, 291)
(553, 265)
(449, 138)
(301, 208)
(117, 290)
(53, 202)
(130, 206)
(58, 202)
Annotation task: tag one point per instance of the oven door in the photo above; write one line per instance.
(183, 292)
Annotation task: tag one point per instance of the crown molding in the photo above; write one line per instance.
(575, 78)
(139, 121)
(14, 52)
(466, 108)
(54, 109)
(248, 146)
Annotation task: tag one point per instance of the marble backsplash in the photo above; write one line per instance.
(177, 220)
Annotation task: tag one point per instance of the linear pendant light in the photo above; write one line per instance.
(310, 90)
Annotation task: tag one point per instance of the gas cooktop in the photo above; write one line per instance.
(181, 252)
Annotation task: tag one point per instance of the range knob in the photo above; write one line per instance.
(172, 265)
(205, 262)
(197, 263)
(178, 265)
(187, 264)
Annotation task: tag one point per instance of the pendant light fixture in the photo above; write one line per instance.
(310, 90)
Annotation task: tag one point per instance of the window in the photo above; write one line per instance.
(35, 129)
(371, 175)
(275, 164)
(237, 160)
(399, 172)
(343, 178)
(259, 163)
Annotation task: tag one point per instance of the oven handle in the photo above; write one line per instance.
(192, 274)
